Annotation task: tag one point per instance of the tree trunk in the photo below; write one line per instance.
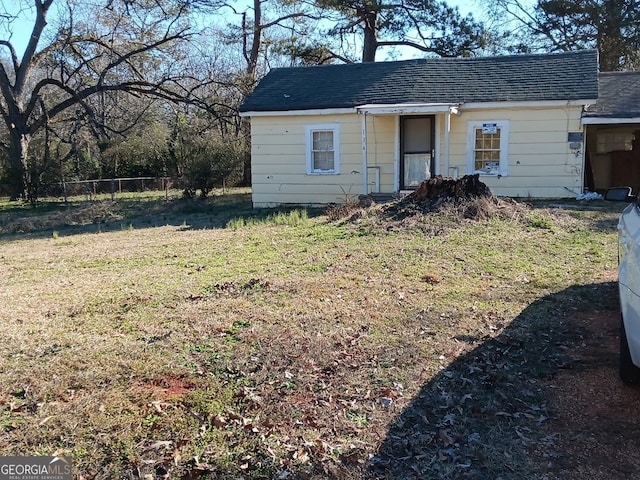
(611, 43)
(18, 165)
(370, 36)
(251, 54)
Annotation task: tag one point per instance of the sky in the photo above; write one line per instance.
(22, 28)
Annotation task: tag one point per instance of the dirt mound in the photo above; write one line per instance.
(463, 198)
(442, 201)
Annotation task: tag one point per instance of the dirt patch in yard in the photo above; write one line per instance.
(598, 416)
(167, 387)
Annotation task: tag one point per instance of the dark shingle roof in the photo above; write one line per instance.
(619, 96)
(563, 76)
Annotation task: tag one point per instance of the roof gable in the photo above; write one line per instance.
(563, 76)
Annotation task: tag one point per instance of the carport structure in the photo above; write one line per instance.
(612, 128)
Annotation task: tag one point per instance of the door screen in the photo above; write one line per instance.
(417, 147)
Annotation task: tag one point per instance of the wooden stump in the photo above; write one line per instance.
(438, 189)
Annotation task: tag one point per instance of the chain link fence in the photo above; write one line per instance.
(114, 186)
(91, 189)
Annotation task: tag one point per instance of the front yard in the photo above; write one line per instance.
(175, 339)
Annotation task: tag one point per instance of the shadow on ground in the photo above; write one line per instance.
(487, 415)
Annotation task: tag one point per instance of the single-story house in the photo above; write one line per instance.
(612, 133)
(330, 133)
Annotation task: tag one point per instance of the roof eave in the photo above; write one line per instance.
(288, 113)
(608, 120)
(405, 108)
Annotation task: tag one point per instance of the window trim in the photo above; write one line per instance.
(503, 125)
(323, 127)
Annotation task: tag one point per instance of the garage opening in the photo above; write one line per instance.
(612, 157)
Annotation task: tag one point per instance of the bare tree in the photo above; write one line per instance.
(267, 26)
(98, 48)
(611, 26)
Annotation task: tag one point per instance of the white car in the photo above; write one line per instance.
(628, 283)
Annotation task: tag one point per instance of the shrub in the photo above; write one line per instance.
(211, 162)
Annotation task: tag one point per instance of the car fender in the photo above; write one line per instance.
(629, 276)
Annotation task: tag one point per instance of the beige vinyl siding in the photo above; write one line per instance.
(381, 145)
(279, 161)
(540, 163)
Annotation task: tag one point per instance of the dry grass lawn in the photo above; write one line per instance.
(173, 339)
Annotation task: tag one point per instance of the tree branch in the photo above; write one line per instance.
(9, 97)
(406, 43)
(12, 51)
(22, 73)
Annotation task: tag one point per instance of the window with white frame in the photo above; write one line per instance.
(323, 149)
(487, 145)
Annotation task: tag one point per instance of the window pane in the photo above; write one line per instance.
(322, 140)
(322, 150)
(323, 160)
(487, 152)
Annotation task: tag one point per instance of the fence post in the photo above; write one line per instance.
(113, 189)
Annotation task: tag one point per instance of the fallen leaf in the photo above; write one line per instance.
(219, 421)
(446, 438)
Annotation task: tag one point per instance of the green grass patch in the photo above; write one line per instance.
(293, 218)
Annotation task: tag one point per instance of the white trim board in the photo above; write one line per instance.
(608, 121)
(288, 113)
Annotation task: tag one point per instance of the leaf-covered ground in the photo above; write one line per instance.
(596, 418)
(211, 341)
